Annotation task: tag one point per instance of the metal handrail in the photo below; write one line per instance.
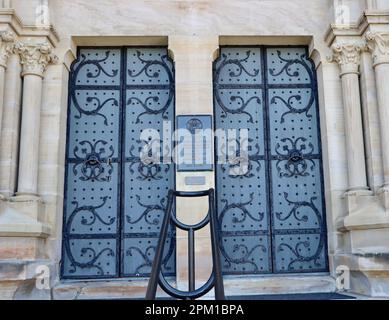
(215, 280)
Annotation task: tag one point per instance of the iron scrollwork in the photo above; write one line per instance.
(290, 62)
(146, 215)
(242, 163)
(316, 256)
(91, 251)
(295, 156)
(150, 70)
(294, 98)
(240, 69)
(242, 253)
(93, 163)
(151, 215)
(97, 103)
(148, 166)
(283, 82)
(99, 165)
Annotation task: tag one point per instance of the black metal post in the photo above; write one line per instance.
(191, 260)
(156, 268)
(219, 288)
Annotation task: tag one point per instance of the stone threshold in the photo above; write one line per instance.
(234, 286)
(279, 284)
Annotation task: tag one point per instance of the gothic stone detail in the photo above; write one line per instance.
(7, 43)
(35, 57)
(348, 55)
(378, 43)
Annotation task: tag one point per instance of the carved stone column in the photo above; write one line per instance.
(347, 55)
(378, 43)
(6, 47)
(34, 59)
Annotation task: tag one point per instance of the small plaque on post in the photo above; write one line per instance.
(194, 143)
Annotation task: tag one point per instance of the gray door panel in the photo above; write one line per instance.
(272, 217)
(114, 202)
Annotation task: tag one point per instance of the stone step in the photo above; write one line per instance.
(234, 286)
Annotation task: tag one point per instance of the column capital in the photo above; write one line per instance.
(348, 55)
(378, 44)
(7, 43)
(35, 57)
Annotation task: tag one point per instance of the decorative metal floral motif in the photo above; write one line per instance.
(90, 251)
(239, 64)
(244, 256)
(148, 166)
(152, 215)
(241, 164)
(290, 62)
(293, 110)
(148, 256)
(99, 69)
(150, 71)
(242, 251)
(295, 156)
(306, 244)
(242, 208)
(239, 101)
(295, 98)
(98, 106)
(93, 164)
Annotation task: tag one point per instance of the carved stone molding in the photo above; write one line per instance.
(378, 44)
(7, 43)
(35, 57)
(348, 55)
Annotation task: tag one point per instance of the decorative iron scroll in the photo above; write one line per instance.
(109, 231)
(271, 92)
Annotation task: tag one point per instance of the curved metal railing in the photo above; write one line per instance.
(215, 280)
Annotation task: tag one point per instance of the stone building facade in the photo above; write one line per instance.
(42, 43)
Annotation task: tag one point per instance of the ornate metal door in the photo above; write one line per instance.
(271, 215)
(114, 200)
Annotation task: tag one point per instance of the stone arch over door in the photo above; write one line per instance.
(114, 201)
(272, 217)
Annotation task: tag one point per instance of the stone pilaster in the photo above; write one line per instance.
(7, 40)
(378, 43)
(34, 59)
(9, 137)
(22, 227)
(347, 55)
(193, 58)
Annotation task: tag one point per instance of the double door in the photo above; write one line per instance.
(271, 208)
(271, 216)
(114, 200)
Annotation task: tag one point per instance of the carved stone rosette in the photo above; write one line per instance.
(7, 43)
(378, 44)
(348, 56)
(35, 57)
